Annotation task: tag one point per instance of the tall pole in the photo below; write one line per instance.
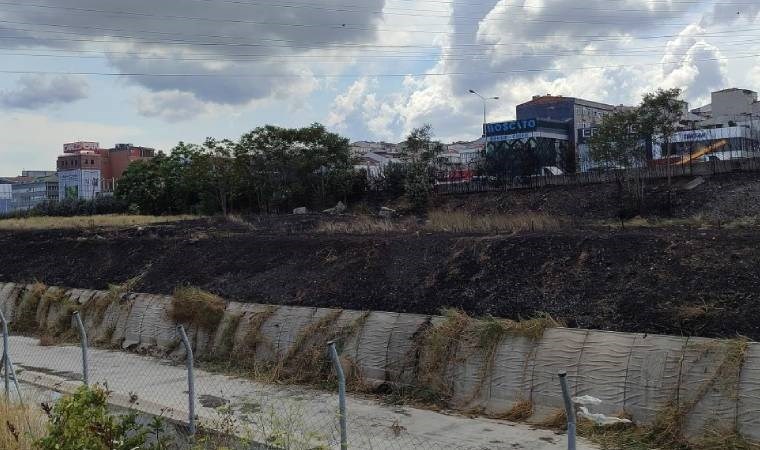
(485, 117)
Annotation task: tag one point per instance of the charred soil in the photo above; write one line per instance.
(649, 280)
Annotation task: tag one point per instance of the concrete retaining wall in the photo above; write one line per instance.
(639, 374)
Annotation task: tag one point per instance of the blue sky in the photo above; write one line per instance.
(291, 63)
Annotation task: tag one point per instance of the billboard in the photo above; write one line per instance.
(515, 127)
(75, 147)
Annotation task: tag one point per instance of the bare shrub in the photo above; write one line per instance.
(195, 306)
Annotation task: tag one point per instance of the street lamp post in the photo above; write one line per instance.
(485, 100)
(485, 118)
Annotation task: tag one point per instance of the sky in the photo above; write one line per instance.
(154, 73)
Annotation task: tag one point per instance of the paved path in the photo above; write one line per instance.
(308, 416)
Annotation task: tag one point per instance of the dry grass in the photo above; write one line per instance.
(305, 360)
(557, 420)
(522, 410)
(20, 426)
(195, 306)
(247, 350)
(365, 225)
(697, 221)
(84, 222)
(438, 347)
(464, 222)
(442, 221)
(26, 315)
(440, 343)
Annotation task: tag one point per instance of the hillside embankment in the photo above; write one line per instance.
(695, 273)
(673, 281)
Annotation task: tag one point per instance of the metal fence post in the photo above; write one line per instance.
(10, 372)
(190, 380)
(83, 343)
(6, 359)
(341, 395)
(569, 410)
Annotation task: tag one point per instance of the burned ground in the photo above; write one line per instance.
(720, 198)
(673, 280)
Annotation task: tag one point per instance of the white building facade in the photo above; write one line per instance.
(79, 184)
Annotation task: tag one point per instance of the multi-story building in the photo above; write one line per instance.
(6, 196)
(360, 148)
(27, 192)
(85, 170)
(37, 173)
(117, 159)
(80, 175)
(578, 114)
(529, 147)
(727, 128)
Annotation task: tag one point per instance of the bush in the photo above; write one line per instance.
(81, 421)
(191, 305)
(74, 207)
(418, 186)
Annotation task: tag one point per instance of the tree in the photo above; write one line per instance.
(284, 167)
(420, 149)
(214, 168)
(658, 117)
(165, 184)
(616, 143)
(419, 146)
(142, 187)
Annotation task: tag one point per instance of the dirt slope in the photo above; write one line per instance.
(661, 281)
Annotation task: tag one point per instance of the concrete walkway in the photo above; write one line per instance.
(304, 418)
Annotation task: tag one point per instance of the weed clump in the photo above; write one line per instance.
(306, 360)
(253, 338)
(441, 342)
(463, 222)
(521, 410)
(26, 314)
(438, 347)
(197, 307)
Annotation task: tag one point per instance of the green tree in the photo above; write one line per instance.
(658, 118)
(419, 145)
(142, 187)
(287, 167)
(658, 115)
(617, 143)
(419, 149)
(214, 169)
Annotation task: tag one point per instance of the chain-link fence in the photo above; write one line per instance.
(205, 407)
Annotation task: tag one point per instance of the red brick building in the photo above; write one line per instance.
(107, 165)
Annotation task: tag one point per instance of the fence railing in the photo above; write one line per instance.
(238, 413)
(714, 167)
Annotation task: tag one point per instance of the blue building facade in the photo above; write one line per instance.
(576, 113)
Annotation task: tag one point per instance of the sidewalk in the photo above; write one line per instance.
(156, 386)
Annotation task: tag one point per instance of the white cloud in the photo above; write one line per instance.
(692, 64)
(39, 91)
(345, 104)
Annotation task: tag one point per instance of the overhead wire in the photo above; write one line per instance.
(362, 75)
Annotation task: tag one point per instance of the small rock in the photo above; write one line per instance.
(340, 208)
(387, 213)
(301, 210)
